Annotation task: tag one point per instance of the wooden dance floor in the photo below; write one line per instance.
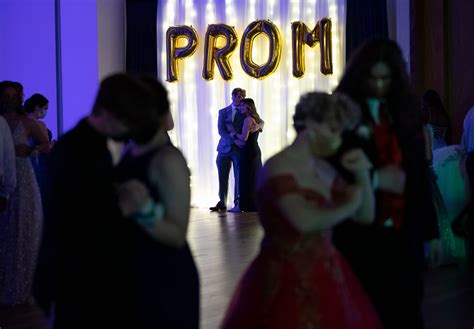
(224, 243)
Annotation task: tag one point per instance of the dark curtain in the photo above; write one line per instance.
(141, 36)
(366, 19)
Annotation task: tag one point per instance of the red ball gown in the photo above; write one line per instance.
(297, 280)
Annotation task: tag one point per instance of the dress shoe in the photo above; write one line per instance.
(235, 209)
(220, 206)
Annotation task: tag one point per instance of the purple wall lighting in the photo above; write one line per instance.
(28, 54)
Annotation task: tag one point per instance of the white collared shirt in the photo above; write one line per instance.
(234, 111)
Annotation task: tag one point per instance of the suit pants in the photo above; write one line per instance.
(224, 162)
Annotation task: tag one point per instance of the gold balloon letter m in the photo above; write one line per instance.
(173, 52)
(302, 35)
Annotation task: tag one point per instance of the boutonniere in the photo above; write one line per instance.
(364, 131)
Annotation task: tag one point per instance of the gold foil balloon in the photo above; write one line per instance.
(302, 35)
(220, 55)
(325, 41)
(251, 32)
(174, 52)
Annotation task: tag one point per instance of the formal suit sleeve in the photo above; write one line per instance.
(222, 128)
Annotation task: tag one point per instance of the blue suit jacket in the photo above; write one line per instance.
(226, 142)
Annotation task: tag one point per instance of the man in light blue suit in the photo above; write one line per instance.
(227, 151)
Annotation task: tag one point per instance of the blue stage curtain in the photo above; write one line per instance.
(141, 36)
(366, 19)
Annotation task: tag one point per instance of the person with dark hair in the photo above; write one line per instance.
(227, 151)
(298, 279)
(165, 280)
(84, 268)
(162, 98)
(388, 255)
(21, 221)
(12, 92)
(250, 156)
(36, 107)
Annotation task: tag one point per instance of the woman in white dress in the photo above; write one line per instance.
(451, 189)
(21, 222)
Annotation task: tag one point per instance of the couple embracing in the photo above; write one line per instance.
(239, 126)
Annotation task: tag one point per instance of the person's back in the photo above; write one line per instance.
(91, 247)
(84, 262)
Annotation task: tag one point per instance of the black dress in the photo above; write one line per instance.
(83, 262)
(388, 262)
(165, 280)
(250, 162)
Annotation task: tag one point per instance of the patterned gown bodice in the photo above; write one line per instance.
(20, 230)
(19, 134)
(437, 135)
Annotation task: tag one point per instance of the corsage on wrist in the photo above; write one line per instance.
(150, 214)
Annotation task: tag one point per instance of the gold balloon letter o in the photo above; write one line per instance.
(251, 32)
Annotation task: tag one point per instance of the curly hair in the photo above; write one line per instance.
(322, 107)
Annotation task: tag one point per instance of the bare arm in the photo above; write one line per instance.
(391, 179)
(366, 212)
(169, 174)
(35, 131)
(245, 130)
(358, 163)
(429, 152)
(306, 216)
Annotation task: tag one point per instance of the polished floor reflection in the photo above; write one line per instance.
(224, 243)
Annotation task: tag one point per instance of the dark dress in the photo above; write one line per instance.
(250, 162)
(165, 280)
(83, 264)
(388, 260)
(39, 162)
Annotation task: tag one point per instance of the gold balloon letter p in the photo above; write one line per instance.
(220, 55)
(302, 35)
(173, 52)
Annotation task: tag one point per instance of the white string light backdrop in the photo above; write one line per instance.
(195, 102)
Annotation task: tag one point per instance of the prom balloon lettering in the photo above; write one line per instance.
(251, 32)
(219, 55)
(174, 52)
(302, 35)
